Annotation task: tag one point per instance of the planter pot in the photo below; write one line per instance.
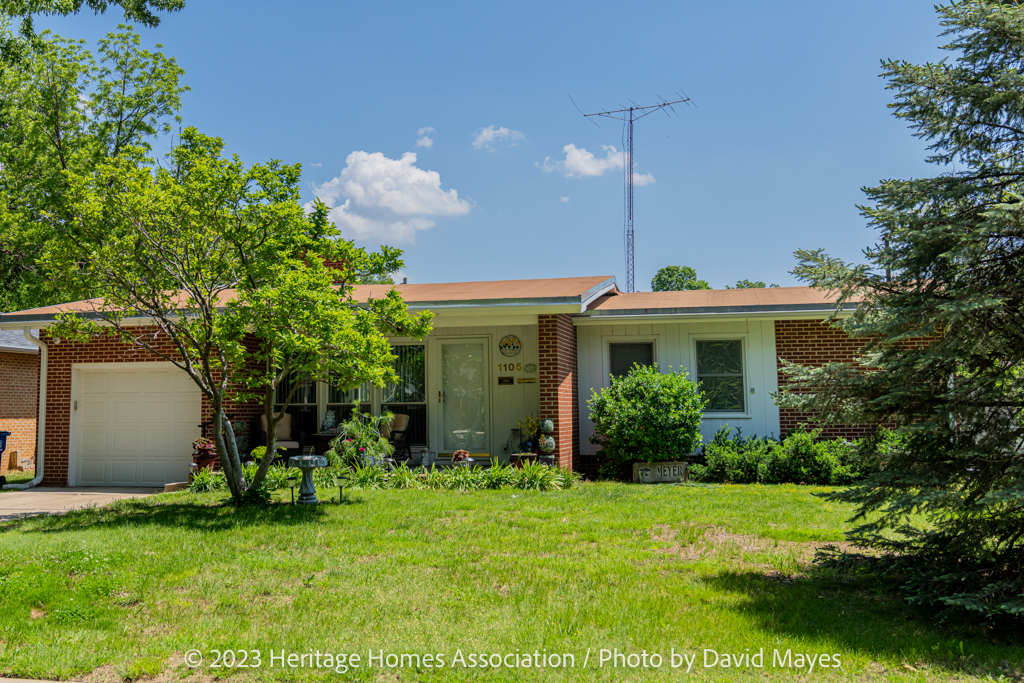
(520, 459)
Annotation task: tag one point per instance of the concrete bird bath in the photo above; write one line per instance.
(307, 463)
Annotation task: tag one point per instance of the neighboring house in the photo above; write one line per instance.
(19, 389)
(498, 352)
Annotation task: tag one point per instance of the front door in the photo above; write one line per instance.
(463, 396)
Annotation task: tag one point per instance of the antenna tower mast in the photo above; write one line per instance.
(629, 115)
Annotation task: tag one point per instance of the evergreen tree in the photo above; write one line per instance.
(947, 504)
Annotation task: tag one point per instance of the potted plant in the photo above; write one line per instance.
(204, 453)
(461, 458)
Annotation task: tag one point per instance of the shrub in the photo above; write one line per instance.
(647, 415)
(206, 480)
(801, 458)
(733, 459)
(359, 442)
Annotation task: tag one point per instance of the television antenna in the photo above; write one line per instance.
(630, 115)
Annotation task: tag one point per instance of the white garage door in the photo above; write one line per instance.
(136, 425)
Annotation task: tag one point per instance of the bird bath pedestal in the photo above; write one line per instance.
(307, 463)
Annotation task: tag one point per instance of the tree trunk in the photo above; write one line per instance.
(232, 451)
(231, 473)
(268, 457)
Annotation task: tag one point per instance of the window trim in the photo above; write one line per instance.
(744, 350)
(607, 341)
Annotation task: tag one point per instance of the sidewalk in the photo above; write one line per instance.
(38, 501)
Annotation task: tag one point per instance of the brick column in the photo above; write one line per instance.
(559, 383)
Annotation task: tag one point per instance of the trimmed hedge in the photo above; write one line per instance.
(799, 459)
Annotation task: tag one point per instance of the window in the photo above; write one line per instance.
(622, 356)
(409, 394)
(302, 406)
(346, 401)
(720, 374)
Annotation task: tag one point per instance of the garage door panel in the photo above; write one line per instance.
(136, 426)
(158, 383)
(187, 412)
(92, 440)
(126, 382)
(125, 412)
(92, 411)
(156, 441)
(183, 384)
(93, 473)
(125, 442)
(156, 411)
(124, 472)
(95, 383)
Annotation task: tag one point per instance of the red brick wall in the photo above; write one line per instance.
(19, 404)
(559, 383)
(58, 393)
(814, 343)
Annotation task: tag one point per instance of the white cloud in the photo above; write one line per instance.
(579, 163)
(387, 199)
(564, 199)
(315, 165)
(425, 139)
(487, 137)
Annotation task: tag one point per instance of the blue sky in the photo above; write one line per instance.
(790, 123)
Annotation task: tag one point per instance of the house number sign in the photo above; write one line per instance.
(510, 345)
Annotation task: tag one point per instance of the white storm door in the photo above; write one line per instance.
(135, 425)
(463, 396)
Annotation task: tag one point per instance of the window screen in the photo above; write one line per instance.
(302, 407)
(720, 373)
(622, 357)
(409, 394)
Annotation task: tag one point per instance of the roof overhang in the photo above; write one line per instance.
(519, 311)
(696, 313)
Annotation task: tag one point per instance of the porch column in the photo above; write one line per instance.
(559, 383)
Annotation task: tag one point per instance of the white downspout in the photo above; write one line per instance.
(41, 419)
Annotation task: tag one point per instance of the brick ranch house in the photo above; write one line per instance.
(499, 351)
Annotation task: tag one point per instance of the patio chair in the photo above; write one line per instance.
(397, 436)
(292, 441)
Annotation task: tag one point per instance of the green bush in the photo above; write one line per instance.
(533, 476)
(733, 459)
(801, 458)
(206, 480)
(360, 443)
(647, 415)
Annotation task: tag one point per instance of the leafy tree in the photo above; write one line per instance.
(677, 278)
(750, 284)
(216, 268)
(63, 111)
(13, 48)
(948, 503)
(647, 415)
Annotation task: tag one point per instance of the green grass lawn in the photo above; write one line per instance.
(124, 592)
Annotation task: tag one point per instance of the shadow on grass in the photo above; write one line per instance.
(868, 616)
(220, 516)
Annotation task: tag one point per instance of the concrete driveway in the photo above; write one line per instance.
(40, 500)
